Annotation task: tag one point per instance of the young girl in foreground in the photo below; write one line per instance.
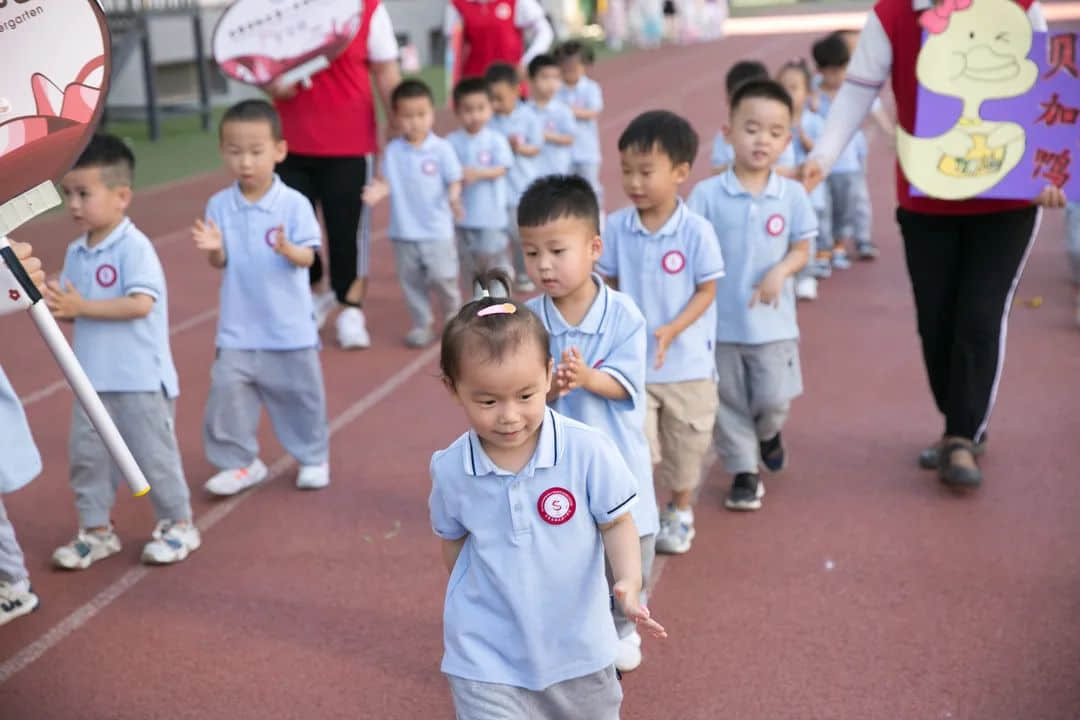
(526, 503)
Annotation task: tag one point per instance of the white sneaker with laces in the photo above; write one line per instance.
(16, 599)
(352, 329)
(87, 548)
(806, 288)
(171, 543)
(324, 305)
(628, 656)
(230, 482)
(313, 477)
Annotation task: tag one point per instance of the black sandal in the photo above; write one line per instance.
(957, 476)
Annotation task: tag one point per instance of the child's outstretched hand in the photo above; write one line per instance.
(1052, 197)
(665, 334)
(375, 192)
(634, 610)
(65, 303)
(768, 292)
(207, 236)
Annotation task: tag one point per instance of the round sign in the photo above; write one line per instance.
(52, 89)
(105, 275)
(673, 262)
(261, 41)
(556, 505)
(775, 225)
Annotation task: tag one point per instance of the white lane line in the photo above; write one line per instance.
(82, 615)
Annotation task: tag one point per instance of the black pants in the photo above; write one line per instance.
(335, 184)
(964, 270)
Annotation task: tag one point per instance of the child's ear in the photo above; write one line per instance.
(596, 247)
(281, 149)
(550, 372)
(450, 388)
(681, 173)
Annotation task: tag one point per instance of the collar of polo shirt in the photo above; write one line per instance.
(671, 227)
(774, 188)
(266, 203)
(548, 449)
(590, 324)
(110, 239)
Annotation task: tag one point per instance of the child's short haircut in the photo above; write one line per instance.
(541, 61)
(575, 50)
(767, 89)
(671, 134)
(112, 156)
(490, 338)
(559, 196)
(469, 86)
(831, 51)
(742, 71)
(800, 65)
(501, 73)
(410, 89)
(254, 111)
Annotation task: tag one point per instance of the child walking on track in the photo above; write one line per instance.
(586, 100)
(765, 224)
(556, 154)
(112, 287)
(262, 234)
(668, 260)
(723, 155)
(598, 337)
(422, 176)
(526, 503)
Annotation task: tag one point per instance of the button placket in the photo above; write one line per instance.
(518, 507)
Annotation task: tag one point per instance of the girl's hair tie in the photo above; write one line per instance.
(500, 309)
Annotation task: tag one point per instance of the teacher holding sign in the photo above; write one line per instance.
(965, 254)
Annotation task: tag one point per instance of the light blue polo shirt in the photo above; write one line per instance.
(755, 233)
(21, 462)
(265, 299)
(852, 157)
(555, 117)
(419, 179)
(122, 355)
(486, 200)
(724, 154)
(661, 272)
(527, 603)
(611, 338)
(524, 124)
(586, 95)
(814, 127)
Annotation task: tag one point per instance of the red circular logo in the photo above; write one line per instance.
(484, 157)
(556, 505)
(429, 166)
(105, 275)
(775, 225)
(14, 295)
(503, 11)
(673, 262)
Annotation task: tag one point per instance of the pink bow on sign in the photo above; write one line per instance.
(936, 19)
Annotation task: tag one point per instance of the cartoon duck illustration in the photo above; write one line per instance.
(975, 50)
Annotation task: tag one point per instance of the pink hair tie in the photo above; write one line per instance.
(502, 309)
(936, 19)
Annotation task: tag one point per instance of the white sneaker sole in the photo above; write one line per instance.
(253, 478)
(679, 549)
(745, 505)
(181, 554)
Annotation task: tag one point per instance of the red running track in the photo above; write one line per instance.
(863, 590)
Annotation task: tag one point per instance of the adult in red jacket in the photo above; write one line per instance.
(494, 32)
(964, 257)
(331, 131)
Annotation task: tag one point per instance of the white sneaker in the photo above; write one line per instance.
(806, 288)
(324, 305)
(419, 337)
(230, 482)
(16, 600)
(313, 477)
(86, 549)
(172, 542)
(352, 329)
(628, 655)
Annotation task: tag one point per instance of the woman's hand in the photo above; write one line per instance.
(25, 254)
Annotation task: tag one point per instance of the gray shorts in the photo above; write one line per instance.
(596, 696)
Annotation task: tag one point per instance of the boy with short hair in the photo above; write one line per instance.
(422, 176)
(556, 118)
(597, 339)
(262, 234)
(521, 127)
(667, 258)
(486, 157)
(722, 154)
(765, 224)
(112, 287)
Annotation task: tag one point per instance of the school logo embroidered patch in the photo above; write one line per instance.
(105, 275)
(503, 11)
(271, 236)
(556, 505)
(673, 262)
(775, 225)
(484, 157)
(428, 166)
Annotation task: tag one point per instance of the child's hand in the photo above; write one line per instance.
(1052, 197)
(281, 243)
(573, 371)
(207, 236)
(458, 209)
(806, 140)
(665, 334)
(470, 175)
(812, 174)
(376, 192)
(65, 304)
(627, 597)
(768, 292)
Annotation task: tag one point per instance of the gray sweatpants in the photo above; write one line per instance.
(648, 555)
(12, 562)
(851, 211)
(424, 266)
(147, 422)
(289, 383)
(756, 385)
(596, 696)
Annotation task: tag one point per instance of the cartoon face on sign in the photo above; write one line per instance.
(975, 50)
(52, 89)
